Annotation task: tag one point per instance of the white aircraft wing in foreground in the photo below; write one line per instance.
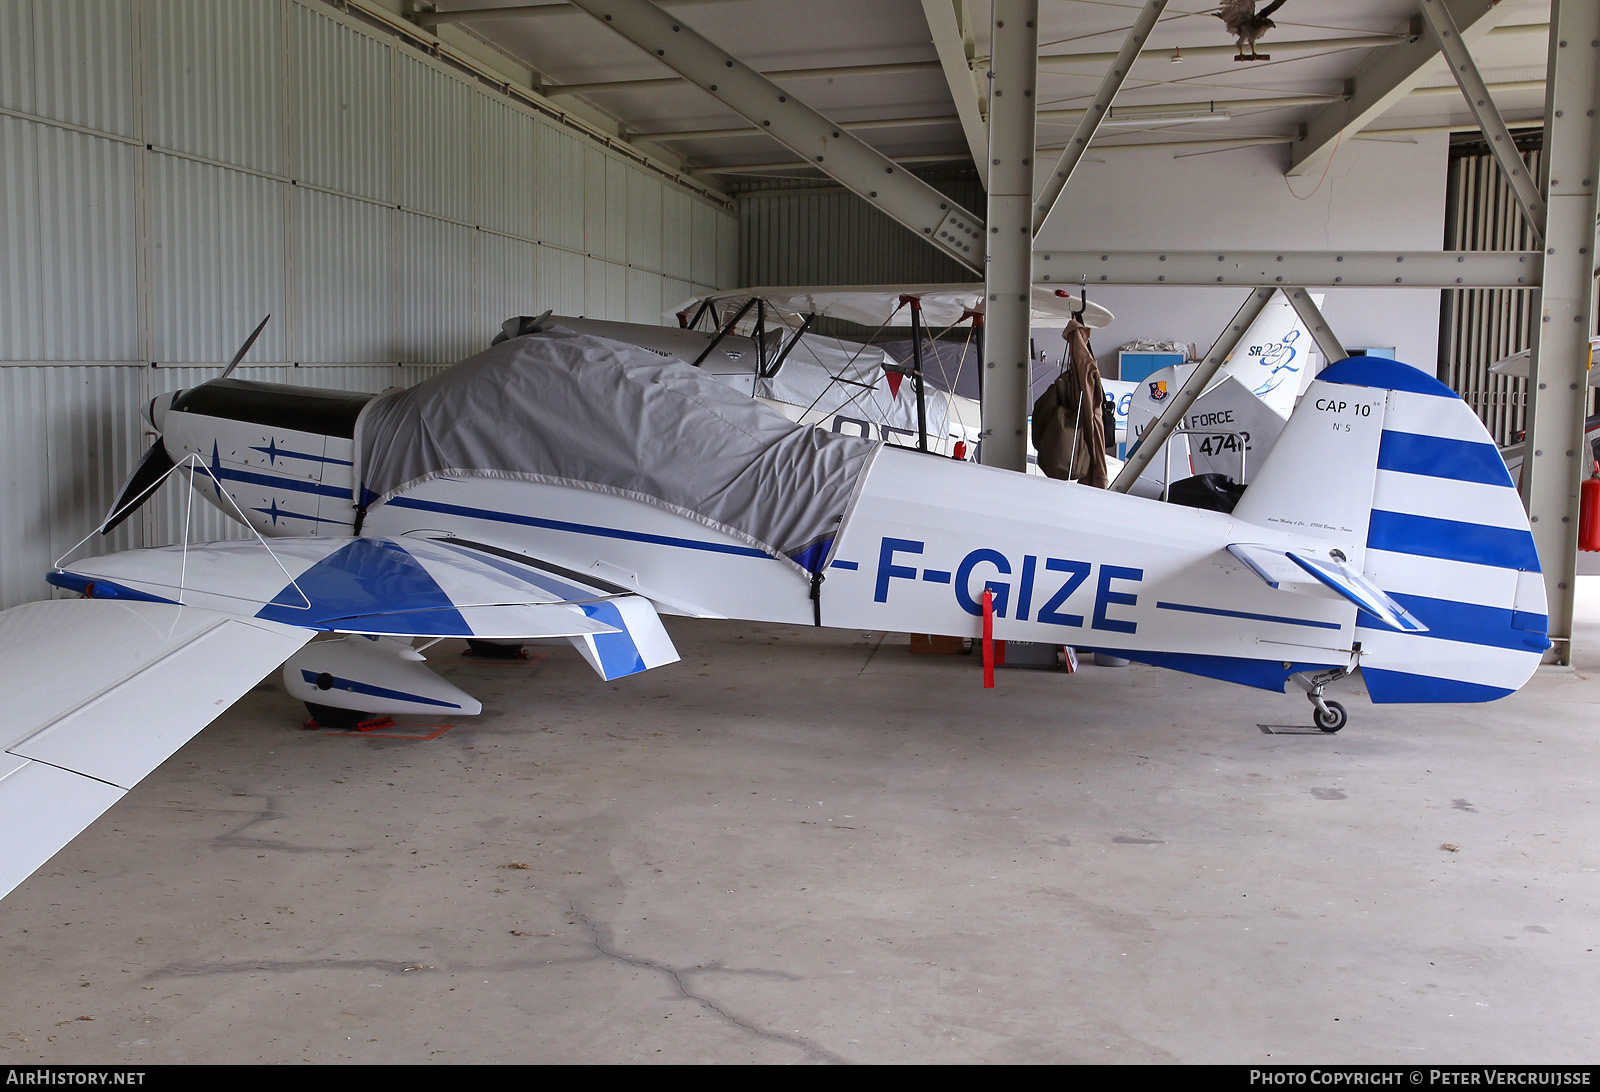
(102, 690)
(98, 694)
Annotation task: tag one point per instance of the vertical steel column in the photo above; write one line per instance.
(1553, 468)
(1014, 45)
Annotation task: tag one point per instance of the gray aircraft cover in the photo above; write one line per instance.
(571, 409)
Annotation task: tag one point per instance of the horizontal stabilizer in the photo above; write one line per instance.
(1289, 570)
(1273, 567)
(1359, 590)
(101, 693)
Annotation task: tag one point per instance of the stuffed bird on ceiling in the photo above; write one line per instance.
(1246, 25)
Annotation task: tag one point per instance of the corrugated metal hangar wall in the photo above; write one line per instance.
(173, 170)
(820, 233)
(1481, 325)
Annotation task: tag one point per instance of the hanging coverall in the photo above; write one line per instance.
(1068, 429)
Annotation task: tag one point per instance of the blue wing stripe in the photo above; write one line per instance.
(617, 653)
(1452, 540)
(1438, 457)
(363, 578)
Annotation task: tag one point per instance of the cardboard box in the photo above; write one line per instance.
(931, 644)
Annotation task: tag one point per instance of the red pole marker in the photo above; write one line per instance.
(988, 638)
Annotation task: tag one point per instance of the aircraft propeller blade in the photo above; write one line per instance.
(245, 348)
(146, 476)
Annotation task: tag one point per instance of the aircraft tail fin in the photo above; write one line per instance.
(1390, 472)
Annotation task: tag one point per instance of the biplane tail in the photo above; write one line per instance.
(1400, 483)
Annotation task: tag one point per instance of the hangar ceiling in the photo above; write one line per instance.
(876, 68)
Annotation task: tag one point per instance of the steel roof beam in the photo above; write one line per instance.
(751, 130)
(1148, 109)
(1382, 81)
(1194, 145)
(1145, 109)
(897, 68)
(1501, 144)
(1303, 268)
(900, 68)
(1110, 84)
(468, 15)
(855, 165)
(656, 83)
(1298, 45)
(951, 29)
(1196, 52)
(517, 11)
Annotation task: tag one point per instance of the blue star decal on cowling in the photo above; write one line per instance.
(216, 470)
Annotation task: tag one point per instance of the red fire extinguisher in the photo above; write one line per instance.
(1589, 513)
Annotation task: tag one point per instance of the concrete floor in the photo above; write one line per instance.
(811, 846)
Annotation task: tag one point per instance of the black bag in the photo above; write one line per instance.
(1213, 492)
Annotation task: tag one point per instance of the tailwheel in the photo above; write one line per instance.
(1327, 715)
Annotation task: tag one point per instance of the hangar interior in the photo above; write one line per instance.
(800, 846)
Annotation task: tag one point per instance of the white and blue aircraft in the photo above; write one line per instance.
(564, 485)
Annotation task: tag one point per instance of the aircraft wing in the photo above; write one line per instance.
(876, 304)
(102, 690)
(1307, 570)
(98, 694)
(1517, 364)
(409, 586)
